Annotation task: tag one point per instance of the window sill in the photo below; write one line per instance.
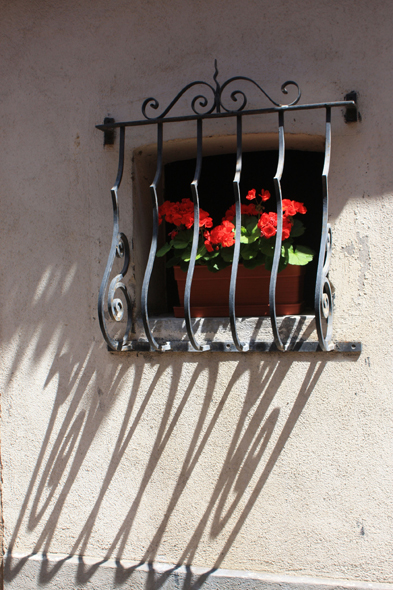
(216, 333)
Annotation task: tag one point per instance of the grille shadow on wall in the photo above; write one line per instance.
(217, 102)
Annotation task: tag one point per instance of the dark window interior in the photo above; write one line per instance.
(301, 181)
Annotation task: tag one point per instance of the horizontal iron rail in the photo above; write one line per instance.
(296, 107)
(185, 346)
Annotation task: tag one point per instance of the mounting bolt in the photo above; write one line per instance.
(109, 134)
(351, 114)
(325, 305)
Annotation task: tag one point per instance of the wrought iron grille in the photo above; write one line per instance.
(214, 108)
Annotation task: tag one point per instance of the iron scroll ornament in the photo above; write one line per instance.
(323, 300)
(119, 249)
(217, 105)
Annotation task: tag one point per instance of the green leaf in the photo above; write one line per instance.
(281, 265)
(211, 255)
(249, 251)
(301, 256)
(250, 231)
(284, 251)
(173, 261)
(256, 231)
(162, 251)
(179, 245)
(218, 264)
(268, 262)
(182, 239)
(227, 253)
(213, 267)
(201, 252)
(250, 223)
(298, 228)
(267, 246)
(186, 254)
(249, 238)
(254, 262)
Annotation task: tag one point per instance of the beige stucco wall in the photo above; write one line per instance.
(279, 463)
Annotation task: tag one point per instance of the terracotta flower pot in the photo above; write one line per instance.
(210, 292)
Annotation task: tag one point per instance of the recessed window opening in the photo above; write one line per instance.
(301, 181)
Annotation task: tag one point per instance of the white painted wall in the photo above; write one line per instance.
(279, 464)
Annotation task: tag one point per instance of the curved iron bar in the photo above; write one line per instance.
(277, 248)
(236, 254)
(195, 242)
(323, 300)
(235, 93)
(120, 249)
(153, 249)
(154, 104)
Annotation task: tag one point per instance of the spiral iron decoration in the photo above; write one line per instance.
(240, 93)
(323, 300)
(199, 100)
(200, 103)
(119, 249)
(323, 293)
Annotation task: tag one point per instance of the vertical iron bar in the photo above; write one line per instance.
(195, 244)
(119, 248)
(323, 300)
(153, 248)
(277, 248)
(236, 254)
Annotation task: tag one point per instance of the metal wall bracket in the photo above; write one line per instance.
(351, 113)
(353, 348)
(109, 134)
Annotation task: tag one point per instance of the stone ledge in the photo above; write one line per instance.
(59, 572)
(298, 328)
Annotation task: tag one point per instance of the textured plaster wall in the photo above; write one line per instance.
(277, 463)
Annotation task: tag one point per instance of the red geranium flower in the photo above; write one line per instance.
(268, 231)
(208, 242)
(288, 207)
(230, 214)
(286, 227)
(265, 195)
(188, 219)
(204, 219)
(223, 234)
(267, 223)
(292, 207)
(249, 209)
(183, 214)
(251, 194)
(300, 208)
(245, 210)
